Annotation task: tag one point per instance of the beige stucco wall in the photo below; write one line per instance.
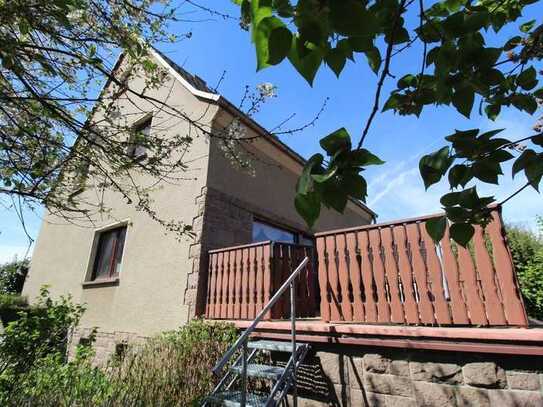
(161, 276)
(149, 296)
(270, 184)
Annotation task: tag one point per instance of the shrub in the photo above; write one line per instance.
(38, 332)
(12, 276)
(173, 369)
(54, 382)
(10, 306)
(527, 252)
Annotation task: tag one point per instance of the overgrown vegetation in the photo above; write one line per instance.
(12, 276)
(173, 369)
(527, 251)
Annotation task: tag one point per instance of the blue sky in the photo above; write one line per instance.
(218, 45)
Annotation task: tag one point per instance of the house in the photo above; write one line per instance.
(392, 318)
(148, 281)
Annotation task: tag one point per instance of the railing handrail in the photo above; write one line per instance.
(243, 337)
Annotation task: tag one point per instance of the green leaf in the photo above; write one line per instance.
(350, 18)
(339, 140)
(305, 182)
(524, 102)
(260, 9)
(459, 174)
(534, 172)
(436, 228)
(486, 171)
(354, 185)
(463, 99)
(279, 44)
(284, 8)
(527, 157)
(451, 199)
(374, 58)
(477, 20)
(538, 140)
(360, 44)
(394, 102)
(527, 79)
(462, 233)
(306, 60)
(512, 43)
(308, 206)
(433, 166)
(493, 111)
(262, 37)
(320, 178)
(526, 27)
(336, 60)
(334, 195)
(362, 158)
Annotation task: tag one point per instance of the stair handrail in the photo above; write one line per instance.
(244, 336)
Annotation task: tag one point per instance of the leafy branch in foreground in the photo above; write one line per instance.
(458, 69)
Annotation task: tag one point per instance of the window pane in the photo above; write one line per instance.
(306, 240)
(109, 253)
(263, 231)
(119, 251)
(143, 130)
(104, 252)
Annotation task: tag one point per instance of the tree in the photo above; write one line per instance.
(12, 276)
(55, 57)
(527, 251)
(61, 128)
(460, 66)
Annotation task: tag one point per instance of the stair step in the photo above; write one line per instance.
(261, 371)
(275, 346)
(233, 399)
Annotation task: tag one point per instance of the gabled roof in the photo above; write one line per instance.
(194, 80)
(198, 87)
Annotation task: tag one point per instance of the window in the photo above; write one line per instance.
(141, 132)
(264, 231)
(109, 253)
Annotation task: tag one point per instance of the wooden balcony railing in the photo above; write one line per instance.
(394, 273)
(242, 279)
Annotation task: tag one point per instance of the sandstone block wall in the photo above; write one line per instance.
(379, 377)
(106, 344)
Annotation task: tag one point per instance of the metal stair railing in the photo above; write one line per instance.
(241, 342)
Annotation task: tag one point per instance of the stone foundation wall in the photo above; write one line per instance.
(106, 344)
(377, 377)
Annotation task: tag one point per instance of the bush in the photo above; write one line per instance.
(527, 252)
(12, 276)
(173, 369)
(10, 307)
(41, 330)
(54, 382)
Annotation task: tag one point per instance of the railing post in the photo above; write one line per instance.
(243, 400)
(294, 350)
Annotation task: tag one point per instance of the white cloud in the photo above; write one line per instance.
(399, 192)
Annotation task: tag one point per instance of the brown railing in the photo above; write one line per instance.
(394, 273)
(242, 279)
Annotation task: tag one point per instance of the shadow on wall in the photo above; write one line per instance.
(357, 376)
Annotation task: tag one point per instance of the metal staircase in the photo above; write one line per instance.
(231, 391)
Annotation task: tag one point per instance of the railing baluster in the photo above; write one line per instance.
(294, 350)
(243, 400)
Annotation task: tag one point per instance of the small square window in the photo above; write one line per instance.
(136, 145)
(109, 254)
